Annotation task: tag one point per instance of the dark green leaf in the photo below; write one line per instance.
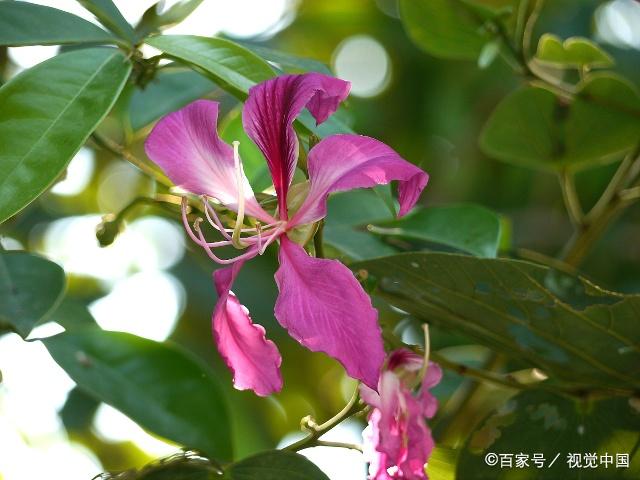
(228, 63)
(532, 127)
(276, 465)
(167, 92)
(345, 225)
(23, 23)
(577, 52)
(72, 315)
(577, 333)
(30, 288)
(152, 21)
(444, 28)
(157, 385)
(470, 228)
(109, 15)
(47, 114)
(539, 422)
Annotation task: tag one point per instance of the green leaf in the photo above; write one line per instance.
(286, 61)
(72, 315)
(167, 92)
(23, 23)
(109, 15)
(275, 465)
(576, 52)
(469, 228)
(442, 463)
(152, 21)
(345, 230)
(444, 28)
(158, 385)
(253, 162)
(47, 114)
(229, 64)
(532, 127)
(540, 422)
(580, 335)
(30, 288)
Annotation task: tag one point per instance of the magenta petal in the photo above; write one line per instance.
(185, 144)
(272, 107)
(344, 162)
(254, 360)
(324, 308)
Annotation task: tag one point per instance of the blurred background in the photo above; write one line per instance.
(150, 282)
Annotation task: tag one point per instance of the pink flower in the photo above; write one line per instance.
(320, 303)
(398, 441)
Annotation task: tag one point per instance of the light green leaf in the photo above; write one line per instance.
(532, 127)
(47, 114)
(228, 63)
(30, 288)
(348, 215)
(23, 23)
(553, 426)
(152, 21)
(580, 335)
(158, 385)
(286, 61)
(109, 15)
(444, 28)
(576, 52)
(275, 465)
(470, 228)
(167, 92)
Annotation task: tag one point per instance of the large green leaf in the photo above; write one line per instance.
(552, 426)
(153, 21)
(574, 52)
(47, 114)
(167, 92)
(110, 17)
(532, 127)
(579, 334)
(471, 228)
(286, 61)
(276, 465)
(226, 62)
(444, 28)
(156, 384)
(30, 288)
(23, 23)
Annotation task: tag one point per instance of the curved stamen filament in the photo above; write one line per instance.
(235, 237)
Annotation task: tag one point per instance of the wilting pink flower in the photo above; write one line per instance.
(398, 441)
(321, 304)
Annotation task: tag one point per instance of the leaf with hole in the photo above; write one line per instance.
(31, 287)
(555, 427)
(581, 336)
(23, 23)
(47, 114)
(158, 385)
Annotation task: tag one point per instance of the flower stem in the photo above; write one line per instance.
(315, 431)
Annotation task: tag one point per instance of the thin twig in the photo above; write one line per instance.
(570, 196)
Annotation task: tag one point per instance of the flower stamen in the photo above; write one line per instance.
(235, 237)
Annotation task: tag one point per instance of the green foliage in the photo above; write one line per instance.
(576, 52)
(109, 15)
(167, 92)
(47, 114)
(276, 465)
(534, 127)
(227, 63)
(469, 228)
(23, 23)
(444, 28)
(156, 384)
(152, 21)
(540, 422)
(30, 288)
(580, 335)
